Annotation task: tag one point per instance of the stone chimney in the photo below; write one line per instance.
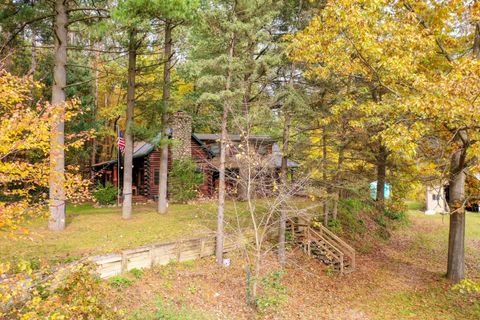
(181, 125)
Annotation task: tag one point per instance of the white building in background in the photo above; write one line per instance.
(436, 201)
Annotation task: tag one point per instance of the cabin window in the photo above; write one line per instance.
(156, 177)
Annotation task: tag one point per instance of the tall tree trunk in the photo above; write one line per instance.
(381, 175)
(128, 157)
(324, 173)
(341, 158)
(163, 183)
(57, 142)
(33, 57)
(223, 149)
(284, 190)
(93, 156)
(456, 236)
(476, 42)
(284, 177)
(242, 188)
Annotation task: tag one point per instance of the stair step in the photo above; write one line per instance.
(324, 246)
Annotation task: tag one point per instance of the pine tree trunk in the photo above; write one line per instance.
(456, 236)
(163, 174)
(128, 157)
(324, 170)
(33, 57)
(381, 176)
(57, 142)
(93, 156)
(283, 190)
(242, 188)
(221, 169)
(341, 158)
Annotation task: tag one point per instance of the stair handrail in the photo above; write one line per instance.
(329, 243)
(341, 255)
(335, 242)
(334, 237)
(349, 251)
(341, 242)
(307, 234)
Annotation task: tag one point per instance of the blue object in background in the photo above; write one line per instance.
(373, 190)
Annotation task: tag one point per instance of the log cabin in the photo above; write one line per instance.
(203, 148)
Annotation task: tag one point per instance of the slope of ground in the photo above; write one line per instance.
(400, 280)
(93, 230)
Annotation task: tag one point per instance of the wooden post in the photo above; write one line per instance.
(202, 247)
(150, 253)
(115, 176)
(124, 264)
(179, 250)
(341, 264)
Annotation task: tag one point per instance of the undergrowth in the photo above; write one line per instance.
(274, 293)
(358, 219)
(168, 310)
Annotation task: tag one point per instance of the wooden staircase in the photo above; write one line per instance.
(322, 244)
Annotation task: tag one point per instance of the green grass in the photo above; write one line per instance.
(101, 230)
(169, 311)
(431, 303)
(415, 205)
(428, 250)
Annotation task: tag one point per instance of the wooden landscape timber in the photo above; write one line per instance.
(117, 263)
(161, 254)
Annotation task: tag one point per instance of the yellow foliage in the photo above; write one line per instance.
(414, 54)
(25, 132)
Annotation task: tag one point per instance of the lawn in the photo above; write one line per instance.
(101, 230)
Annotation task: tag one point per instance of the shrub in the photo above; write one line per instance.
(137, 273)
(274, 292)
(184, 180)
(120, 282)
(350, 213)
(395, 215)
(75, 294)
(105, 194)
(334, 225)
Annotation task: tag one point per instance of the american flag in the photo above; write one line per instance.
(121, 142)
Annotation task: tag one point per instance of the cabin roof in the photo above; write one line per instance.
(277, 158)
(233, 137)
(143, 148)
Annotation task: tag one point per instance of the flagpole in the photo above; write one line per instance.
(118, 168)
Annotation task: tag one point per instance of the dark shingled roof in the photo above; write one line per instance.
(143, 148)
(232, 137)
